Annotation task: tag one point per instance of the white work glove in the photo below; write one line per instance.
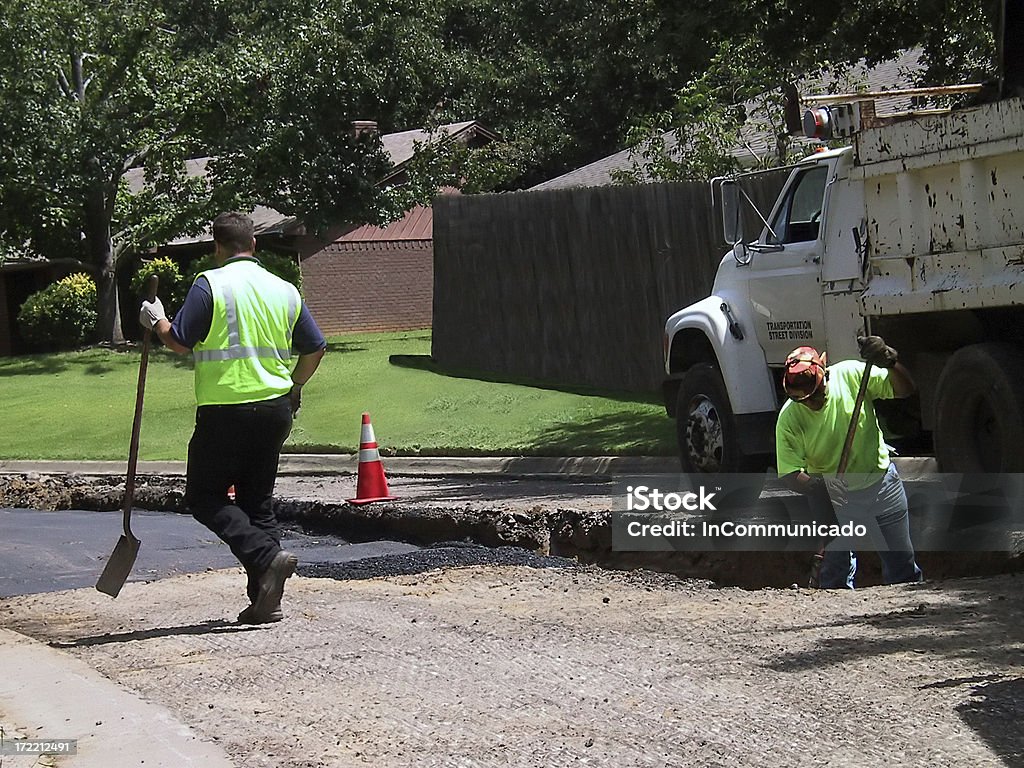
(151, 312)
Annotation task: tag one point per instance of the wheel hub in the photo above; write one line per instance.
(704, 441)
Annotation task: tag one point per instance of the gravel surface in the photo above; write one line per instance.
(518, 665)
(460, 655)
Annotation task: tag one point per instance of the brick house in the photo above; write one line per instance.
(364, 278)
(374, 278)
(382, 278)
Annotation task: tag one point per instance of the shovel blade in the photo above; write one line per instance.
(116, 571)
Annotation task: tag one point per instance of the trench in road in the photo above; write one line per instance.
(47, 551)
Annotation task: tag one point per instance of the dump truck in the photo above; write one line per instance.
(914, 231)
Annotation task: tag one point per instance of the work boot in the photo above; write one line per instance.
(248, 616)
(252, 585)
(268, 602)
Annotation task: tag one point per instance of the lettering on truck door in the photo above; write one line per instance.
(784, 285)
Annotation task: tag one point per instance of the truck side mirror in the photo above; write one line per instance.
(732, 223)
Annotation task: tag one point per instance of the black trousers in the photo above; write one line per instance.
(239, 445)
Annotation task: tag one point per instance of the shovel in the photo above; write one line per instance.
(116, 571)
(844, 459)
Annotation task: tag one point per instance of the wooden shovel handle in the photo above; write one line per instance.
(133, 449)
(844, 458)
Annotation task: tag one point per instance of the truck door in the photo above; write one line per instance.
(785, 279)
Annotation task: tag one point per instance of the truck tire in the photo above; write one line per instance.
(705, 426)
(979, 410)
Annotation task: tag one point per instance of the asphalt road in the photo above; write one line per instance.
(52, 551)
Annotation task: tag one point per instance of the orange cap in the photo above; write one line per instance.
(805, 371)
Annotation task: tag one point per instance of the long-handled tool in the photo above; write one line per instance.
(116, 571)
(844, 458)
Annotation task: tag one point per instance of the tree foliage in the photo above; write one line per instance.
(60, 316)
(267, 89)
(771, 42)
(562, 80)
(91, 89)
(699, 138)
(171, 286)
(956, 36)
(278, 264)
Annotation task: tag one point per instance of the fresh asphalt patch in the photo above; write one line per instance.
(50, 551)
(445, 555)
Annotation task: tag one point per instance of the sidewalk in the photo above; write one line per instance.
(48, 694)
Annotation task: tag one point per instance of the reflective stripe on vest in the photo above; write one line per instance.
(238, 352)
(246, 359)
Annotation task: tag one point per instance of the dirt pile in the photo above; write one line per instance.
(98, 493)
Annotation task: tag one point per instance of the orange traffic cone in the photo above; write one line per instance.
(371, 485)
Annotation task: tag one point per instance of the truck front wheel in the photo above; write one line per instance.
(979, 410)
(704, 424)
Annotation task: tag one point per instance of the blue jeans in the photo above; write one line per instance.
(883, 509)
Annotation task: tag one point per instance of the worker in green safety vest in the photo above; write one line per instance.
(241, 323)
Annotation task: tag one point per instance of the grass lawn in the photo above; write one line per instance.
(79, 405)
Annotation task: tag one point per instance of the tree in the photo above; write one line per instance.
(771, 42)
(562, 79)
(268, 89)
(699, 138)
(956, 36)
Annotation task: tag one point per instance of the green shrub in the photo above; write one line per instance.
(284, 267)
(171, 288)
(62, 315)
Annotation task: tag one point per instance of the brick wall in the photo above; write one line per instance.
(370, 286)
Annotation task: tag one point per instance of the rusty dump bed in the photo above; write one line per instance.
(942, 200)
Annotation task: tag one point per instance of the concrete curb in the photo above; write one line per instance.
(397, 466)
(50, 694)
(910, 468)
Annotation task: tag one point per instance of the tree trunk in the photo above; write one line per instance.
(108, 321)
(101, 254)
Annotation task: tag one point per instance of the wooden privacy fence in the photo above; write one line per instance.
(572, 287)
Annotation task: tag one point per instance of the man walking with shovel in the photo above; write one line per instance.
(241, 323)
(827, 438)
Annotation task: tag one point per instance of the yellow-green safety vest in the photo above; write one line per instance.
(245, 356)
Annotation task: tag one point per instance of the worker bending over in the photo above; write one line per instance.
(809, 437)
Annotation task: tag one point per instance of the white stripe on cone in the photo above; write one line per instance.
(368, 445)
(372, 484)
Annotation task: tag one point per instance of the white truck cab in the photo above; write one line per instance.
(915, 232)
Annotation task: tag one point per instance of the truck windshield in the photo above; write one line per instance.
(799, 217)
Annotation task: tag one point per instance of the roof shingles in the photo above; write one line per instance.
(399, 147)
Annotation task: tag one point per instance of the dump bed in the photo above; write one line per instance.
(944, 210)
